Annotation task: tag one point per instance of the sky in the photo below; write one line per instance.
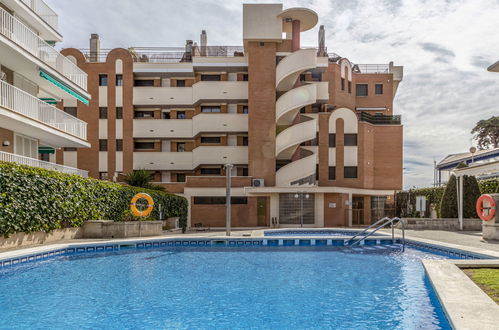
(445, 47)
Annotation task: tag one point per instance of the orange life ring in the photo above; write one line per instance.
(136, 211)
(486, 213)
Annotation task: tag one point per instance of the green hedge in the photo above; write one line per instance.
(34, 199)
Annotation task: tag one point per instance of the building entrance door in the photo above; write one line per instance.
(357, 211)
(262, 211)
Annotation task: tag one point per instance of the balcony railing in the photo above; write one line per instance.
(16, 31)
(26, 104)
(371, 68)
(44, 11)
(380, 119)
(13, 158)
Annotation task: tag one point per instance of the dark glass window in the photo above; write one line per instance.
(143, 82)
(45, 157)
(180, 146)
(119, 145)
(165, 115)
(144, 114)
(361, 90)
(102, 113)
(332, 140)
(69, 149)
(210, 139)
(220, 200)
(210, 108)
(350, 87)
(350, 172)
(180, 114)
(213, 171)
(342, 84)
(245, 171)
(302, 77)
(180, 83)
(119, 113)
(102, 145)
(315, 108)
(379, 89)
(332, 173)
(316, 76)
(71, 110)
(103, 80)
(119, 80)
(144, 145)
(350, 139)
(245, 77)
(317, 172)
(210, 77)
(245, 140)
(245, 109)
(180, 177)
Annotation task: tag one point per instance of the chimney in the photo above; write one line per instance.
(188, 51)
(94, 47)
(204, 42)
(322, 42)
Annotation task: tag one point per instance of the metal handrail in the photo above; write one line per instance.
(384, 222)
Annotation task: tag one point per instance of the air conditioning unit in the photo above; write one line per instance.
(258, 183)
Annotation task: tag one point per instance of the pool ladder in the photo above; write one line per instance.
(381, 223)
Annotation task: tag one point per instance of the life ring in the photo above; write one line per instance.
(136, 211)
(486, 212)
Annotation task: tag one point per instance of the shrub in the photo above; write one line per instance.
(448, 205)
(34, 199)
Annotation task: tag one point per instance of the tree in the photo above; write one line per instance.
(448, 205)
(141, 178)
(486, 132)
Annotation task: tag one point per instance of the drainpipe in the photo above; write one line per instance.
(295, 41)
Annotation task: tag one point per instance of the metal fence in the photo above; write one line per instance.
(13, 158)
(379, 119)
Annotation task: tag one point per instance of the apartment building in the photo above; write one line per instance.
(34, 77)
(312, 137)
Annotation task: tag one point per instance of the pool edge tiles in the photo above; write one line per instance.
(13, 258)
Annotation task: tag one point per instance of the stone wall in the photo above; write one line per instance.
(22, 239)
(441, 224)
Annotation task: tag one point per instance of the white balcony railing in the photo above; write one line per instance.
(13, 158)
(44, 11)
(26, 104)
(16, 31)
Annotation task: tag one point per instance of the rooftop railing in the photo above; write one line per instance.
(44, 11)
(371, 68)
(17, 32)
(379, 119)
(27, 105)
(13, 158)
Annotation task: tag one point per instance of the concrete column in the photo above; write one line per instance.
(295, 39)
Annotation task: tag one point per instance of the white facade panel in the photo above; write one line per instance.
(350, 156)
(102, 129)
(102, 96)
(102, 161)
(70, 159)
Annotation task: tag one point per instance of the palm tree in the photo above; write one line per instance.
(487, 133)
(141, 178)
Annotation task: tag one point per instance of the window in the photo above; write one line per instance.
(245, 140)
(332, 173)
(361, 90)
(210, 139)
(143, 82)
(350, 139)
(349, 87)
(350, 172)
(332, 140)
(180, 114)
(342, 84)
(119, 113)
(316, 76)
(211, 171)
(245, 109)
(102, 145)
(180, 83)
(180, 146)
(210, 108)
(245, 171)
(245, 77)
(302, 110)
(316, 172)
(69, 149)
(119, 145)
(103, 175)
(119, 80)
(103, 80)
(210, 77)
(315, 108)
(71, 110)
(165, 115)
(302, 77)
(144, 114)
(220, 200)
(378, 89)
(144, 145)
(45, 157)
(102, 113)
(180, 177)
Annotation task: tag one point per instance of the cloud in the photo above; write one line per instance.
(444, 45)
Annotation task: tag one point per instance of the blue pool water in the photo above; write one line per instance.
(318, 232)
(265, 287)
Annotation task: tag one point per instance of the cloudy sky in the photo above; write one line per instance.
(445, 47)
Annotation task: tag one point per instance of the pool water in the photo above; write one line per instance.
(328, 232)
(265, 287)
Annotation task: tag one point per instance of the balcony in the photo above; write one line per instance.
(26, 114)
(43, 11)
(13, 158)
(380, 119)
(18, 39)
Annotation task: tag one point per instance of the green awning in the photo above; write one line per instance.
(49, 100)
(46, 150)
(63, 86)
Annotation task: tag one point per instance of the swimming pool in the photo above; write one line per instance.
(313, 232)
(375, 287)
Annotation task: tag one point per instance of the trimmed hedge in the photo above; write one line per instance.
(34, 199)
